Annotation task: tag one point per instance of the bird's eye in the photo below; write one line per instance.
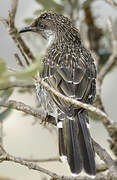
(42, 26)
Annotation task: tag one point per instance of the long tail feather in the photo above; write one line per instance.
(75, 143)
(86, 145)
(62, 149)
(73, 147)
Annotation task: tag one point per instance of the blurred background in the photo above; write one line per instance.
(23, 137)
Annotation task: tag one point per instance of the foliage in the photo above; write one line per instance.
(8, 78)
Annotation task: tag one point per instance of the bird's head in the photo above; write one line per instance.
(49, 25)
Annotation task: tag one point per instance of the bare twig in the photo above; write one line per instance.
(24, 108)
(18, 84)
(12, 29)
(7, 157)
(29, 110)
(38, 113)
(13, 32)
(42, 160)
(18, 60)
(24, 46)
(104, 156)
(4, 21)
(112, 3)
(113, 58)
(23, 53)
(14, 4)
(107, 159)
(104, 70)
(99, 167)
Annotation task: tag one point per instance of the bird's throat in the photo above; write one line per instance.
(50, 37)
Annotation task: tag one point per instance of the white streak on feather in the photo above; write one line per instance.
(63, 159)
(60, 125)
(74, 175)
(88, 125)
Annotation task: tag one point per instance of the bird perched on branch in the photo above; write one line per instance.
(70, 69)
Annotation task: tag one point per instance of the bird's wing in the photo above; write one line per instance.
(73, 79)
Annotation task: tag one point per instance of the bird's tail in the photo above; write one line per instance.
(75, 144)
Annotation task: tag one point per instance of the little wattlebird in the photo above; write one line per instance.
(70, 69)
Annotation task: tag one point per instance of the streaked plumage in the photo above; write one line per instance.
(70, 69)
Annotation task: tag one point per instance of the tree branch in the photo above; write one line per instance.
(13, 32)
(110, 126)
(29, 110)
(24, 108)
(14, 5)
(112, 3)
(101, 74)
(7, 157)
(105, 157)
(103, 116)
(18, 60)
(113, 58)
(18, 84)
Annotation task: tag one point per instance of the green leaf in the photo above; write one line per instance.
(38, 12)
(28, 20)
(28, 72)
(76, 5)
(3, 78)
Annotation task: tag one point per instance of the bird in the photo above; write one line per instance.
(69, 68)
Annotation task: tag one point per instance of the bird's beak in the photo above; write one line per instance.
(26, 29)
